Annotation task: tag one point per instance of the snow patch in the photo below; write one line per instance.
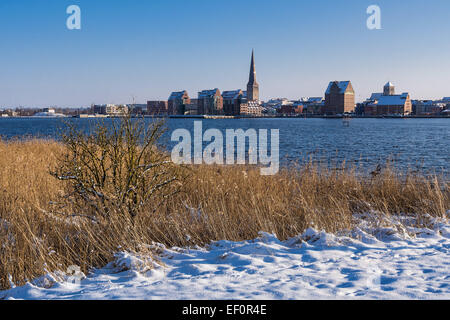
(393, 259)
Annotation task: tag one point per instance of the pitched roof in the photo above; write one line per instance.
(343, 85)
(207, 93)
(234, 94)
(177, 95)
(395, 100)
(376, 96)
(315, 99)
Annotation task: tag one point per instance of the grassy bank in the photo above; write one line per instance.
(37, 234)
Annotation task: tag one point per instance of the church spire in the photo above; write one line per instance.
(252, 86)
(252, 78)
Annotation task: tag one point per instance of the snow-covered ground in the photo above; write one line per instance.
(395, 262)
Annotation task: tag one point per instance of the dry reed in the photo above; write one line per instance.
(216, 202)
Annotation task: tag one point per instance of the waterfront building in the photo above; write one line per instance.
(274, 106)
(232, 101)
(427, 107)
(299, 108)
(312, 105)
(110, 109)
(339, 98)
(388, 103)
(157, 107)
(251, 108)
(399, 104)
(177, 101)
(210, 102)
(191, 109)
(287, 109)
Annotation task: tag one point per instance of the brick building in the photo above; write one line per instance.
(339, 98)
(388, 103)
(177, 101)
(157, 107)
(252, 86)
(399, 104)
(232, 101)
(210, 102)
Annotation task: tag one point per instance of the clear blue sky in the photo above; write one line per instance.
(148, 48)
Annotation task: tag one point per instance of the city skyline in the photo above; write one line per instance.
(147, 49)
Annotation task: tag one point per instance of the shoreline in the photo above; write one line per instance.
(220, 117)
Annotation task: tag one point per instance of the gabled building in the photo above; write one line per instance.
(388, 103)
(399, 104)
(210, 102)
(232, 101)
(339, 98)
(177, 101)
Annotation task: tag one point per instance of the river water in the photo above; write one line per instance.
(415, 144)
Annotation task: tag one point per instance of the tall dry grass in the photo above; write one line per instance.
(216, 202)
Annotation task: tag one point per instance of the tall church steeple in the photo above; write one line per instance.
(252, 86)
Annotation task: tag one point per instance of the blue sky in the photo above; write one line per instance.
(147, 48)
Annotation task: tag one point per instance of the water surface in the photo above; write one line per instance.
(417, 144)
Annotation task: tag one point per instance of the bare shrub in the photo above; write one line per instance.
(116, 169)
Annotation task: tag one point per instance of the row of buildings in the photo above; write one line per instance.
(208, 102)
(338, 99)
(213, 101)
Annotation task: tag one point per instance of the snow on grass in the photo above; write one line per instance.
(391, 261)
